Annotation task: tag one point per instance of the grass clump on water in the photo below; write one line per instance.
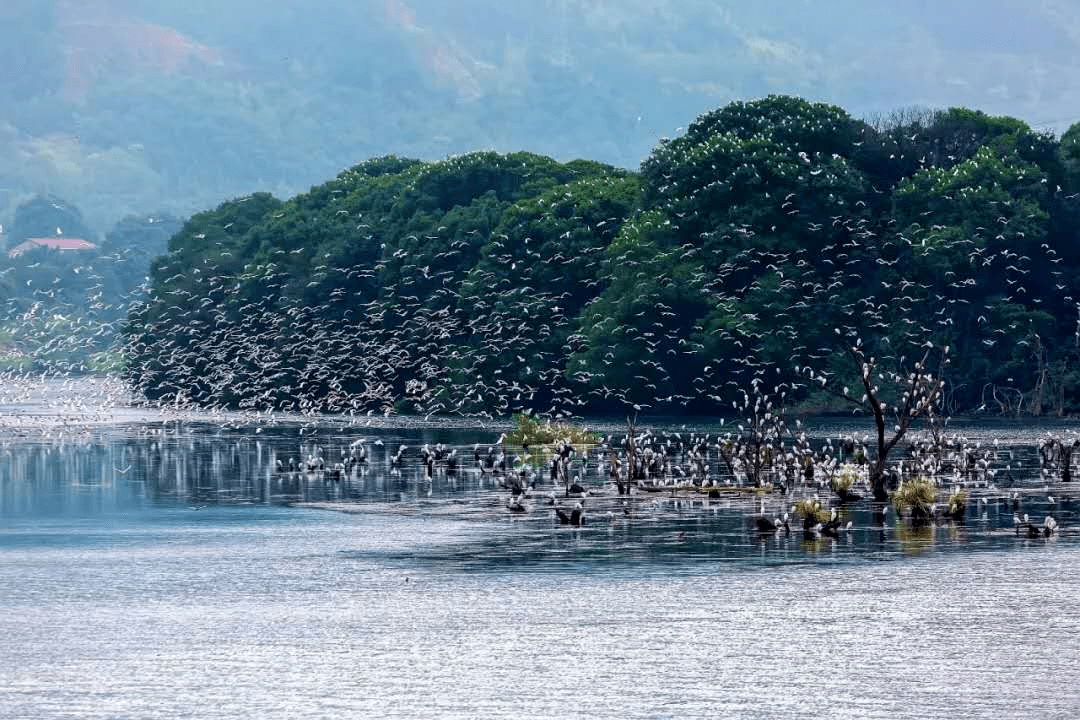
(918, 496)
(957, 503)
(812, 512)
(845, 479)
(543, 438)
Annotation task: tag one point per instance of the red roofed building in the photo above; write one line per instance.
(53, 243)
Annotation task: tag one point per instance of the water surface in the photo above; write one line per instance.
(165, 568)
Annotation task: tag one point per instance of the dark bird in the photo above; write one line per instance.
(832, 527)
(1048, 527)
(764, 525)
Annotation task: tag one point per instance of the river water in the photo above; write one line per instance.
(158, 566)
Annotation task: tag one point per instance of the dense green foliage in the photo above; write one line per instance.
(757, 244)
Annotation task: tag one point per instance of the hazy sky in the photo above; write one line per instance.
(128, 106)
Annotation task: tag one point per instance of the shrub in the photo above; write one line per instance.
(957, 503)
(918, 496)
(812, 512)
(845, 478)
(544, 438)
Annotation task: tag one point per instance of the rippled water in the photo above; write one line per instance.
(165, 569)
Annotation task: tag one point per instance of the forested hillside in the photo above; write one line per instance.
(771, 237)
(61, 309)
(128, 107)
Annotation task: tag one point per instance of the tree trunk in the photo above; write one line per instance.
(879, 482)
(878, 477)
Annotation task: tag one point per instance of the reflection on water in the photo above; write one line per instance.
(110, 471)
(171, 569)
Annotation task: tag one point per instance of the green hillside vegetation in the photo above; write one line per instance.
(61, 310)
(769, 238)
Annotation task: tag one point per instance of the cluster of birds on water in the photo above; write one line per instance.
(625, 478)
(622, 478)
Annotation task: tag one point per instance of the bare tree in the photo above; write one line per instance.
(757, 450)
(1057, 455)
(895, 398)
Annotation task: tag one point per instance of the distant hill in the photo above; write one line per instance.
(130, 106)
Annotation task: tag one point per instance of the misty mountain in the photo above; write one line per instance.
(124, 107)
